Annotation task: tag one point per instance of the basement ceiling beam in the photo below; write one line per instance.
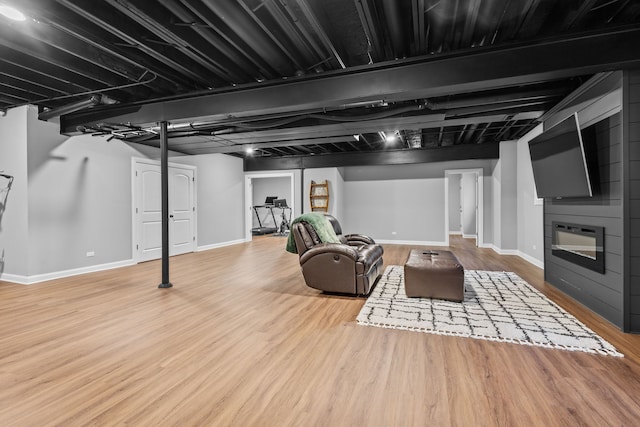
(358, 128)
(388, 157)
(206, 146)
(478, 69)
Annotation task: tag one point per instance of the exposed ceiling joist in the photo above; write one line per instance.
(516, 65)
(288, 75)
(391, 157)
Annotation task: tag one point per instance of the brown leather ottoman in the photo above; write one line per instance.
(434, 274)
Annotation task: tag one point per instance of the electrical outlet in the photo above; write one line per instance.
(393, 233)
(91, 253)
(534, 247)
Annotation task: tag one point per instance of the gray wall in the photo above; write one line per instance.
(79, 199)
(505, 198)
(488, 192)
(407, 200)
(403, 210)
(220, 191)
(14, 232)
(468, 182)
(530, 208)
(73, 195)
(632, 129)
(455, 221)
(336, 189)
(603, 293)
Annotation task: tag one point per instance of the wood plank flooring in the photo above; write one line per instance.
(241, 341)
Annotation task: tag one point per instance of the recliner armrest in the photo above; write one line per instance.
(367, 253)
(333, 248)
(359, 239)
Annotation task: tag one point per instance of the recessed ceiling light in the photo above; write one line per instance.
(12, 13)
(249, 150)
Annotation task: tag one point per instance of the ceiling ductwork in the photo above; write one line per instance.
(397, 35)
(293, 75)
(72, 107)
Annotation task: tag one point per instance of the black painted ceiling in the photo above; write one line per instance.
(91, 54)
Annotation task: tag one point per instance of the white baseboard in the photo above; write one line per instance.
(37, 278)
(411, 242)
(29, 280)
(14, 278)
(220, 245)
(456, 233)
(469, 236)
(531, 260)
(504, 251)
(526, 257)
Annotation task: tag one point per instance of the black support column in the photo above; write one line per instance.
(301, 193)
(164, 179)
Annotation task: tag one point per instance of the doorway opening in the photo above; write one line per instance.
(464, 204)
(259, 186)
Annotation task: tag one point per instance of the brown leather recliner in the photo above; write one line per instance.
(350, 267)
(349, 239)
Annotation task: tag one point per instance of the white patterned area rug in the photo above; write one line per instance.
(497, 306)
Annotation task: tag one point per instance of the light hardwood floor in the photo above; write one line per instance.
(241, 341)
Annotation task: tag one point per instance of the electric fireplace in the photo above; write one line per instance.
(579, 244)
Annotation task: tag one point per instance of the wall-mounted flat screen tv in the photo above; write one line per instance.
(559, 163)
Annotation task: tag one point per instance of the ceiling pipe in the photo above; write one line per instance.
(219, 75)
(528, 96)
(275, 121)
(467, 136)
(393, 16)
(236, 66)
(326, 40)
(70, 108)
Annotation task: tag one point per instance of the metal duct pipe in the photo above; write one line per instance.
(394, 26)
(526, 96)
(70, 108)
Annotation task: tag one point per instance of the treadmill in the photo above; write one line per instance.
(261, 230)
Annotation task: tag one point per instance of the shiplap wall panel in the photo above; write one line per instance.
(633, 128)
(603, 293)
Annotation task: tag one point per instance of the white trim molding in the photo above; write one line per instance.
(411, 242)
(479, 172)
(526, 257)
(30, 280)
(248, 196)
(531, 260)
(220, 245)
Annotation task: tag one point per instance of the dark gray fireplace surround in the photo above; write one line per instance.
(598, 285)
(610, 286)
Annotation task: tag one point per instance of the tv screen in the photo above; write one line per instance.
(559, 163)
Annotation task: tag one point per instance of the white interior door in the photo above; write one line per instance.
(148, 210)
(181, 211)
